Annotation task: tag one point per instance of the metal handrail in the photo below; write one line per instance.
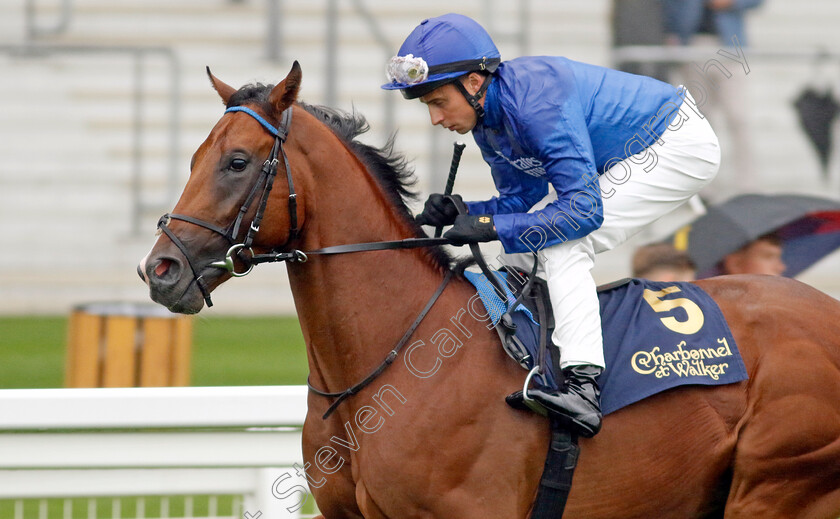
(30, 15)
(138, 54)
(522, 32)
(681, 54)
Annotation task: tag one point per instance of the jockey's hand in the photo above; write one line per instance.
(472, 229)
(438, 210)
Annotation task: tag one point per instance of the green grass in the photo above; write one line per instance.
(152, 506)
(32, 351)
(248, 352)
(227, 351)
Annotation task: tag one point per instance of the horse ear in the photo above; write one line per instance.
(224, 90)
(283, 95)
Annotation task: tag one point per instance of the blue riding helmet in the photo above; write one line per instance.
(438, 51)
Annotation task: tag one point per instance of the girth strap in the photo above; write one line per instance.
(556, 481)
(392, 355)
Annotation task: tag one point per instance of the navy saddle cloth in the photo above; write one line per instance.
(656, 336)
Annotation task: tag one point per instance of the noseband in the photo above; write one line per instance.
(266, 180)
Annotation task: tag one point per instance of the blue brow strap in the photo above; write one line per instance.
(271, 129)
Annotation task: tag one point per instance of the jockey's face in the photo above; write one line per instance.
(449, 108)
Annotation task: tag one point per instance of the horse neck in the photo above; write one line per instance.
(353, 308)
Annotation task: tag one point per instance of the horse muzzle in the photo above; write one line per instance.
(172, 284)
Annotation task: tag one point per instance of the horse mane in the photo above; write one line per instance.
(389, 167)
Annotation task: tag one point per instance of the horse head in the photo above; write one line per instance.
(230, 190)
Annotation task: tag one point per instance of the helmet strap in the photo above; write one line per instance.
(473, 99)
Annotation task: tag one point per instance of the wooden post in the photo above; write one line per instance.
(127, 345)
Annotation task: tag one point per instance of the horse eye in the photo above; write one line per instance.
(238, 164)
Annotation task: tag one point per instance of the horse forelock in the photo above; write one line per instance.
(256, 93)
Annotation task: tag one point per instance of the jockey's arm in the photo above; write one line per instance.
(560, 141)
(516, 194)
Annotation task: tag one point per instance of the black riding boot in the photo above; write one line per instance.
(576, 404)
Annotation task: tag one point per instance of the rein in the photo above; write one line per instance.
(302, 257)
(340, 396)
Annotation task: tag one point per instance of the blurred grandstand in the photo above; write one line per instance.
(102, 104)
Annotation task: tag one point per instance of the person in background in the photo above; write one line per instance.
(720, 89)
(686, 21)
(662, 262)
(761, 256)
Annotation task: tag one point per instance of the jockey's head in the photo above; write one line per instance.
(441, 57)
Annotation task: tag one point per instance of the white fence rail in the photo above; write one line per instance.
(124, 442)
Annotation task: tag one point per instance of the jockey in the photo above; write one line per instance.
(583, 158)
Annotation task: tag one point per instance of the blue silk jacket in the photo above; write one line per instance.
(558, 121)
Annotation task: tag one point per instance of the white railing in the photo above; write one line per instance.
(124, 442)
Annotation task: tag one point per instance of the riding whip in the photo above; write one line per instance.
(458, 149)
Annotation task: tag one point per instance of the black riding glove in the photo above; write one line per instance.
(472, 229)
(438, 210)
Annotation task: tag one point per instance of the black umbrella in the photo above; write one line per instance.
(809, 228)
(816, 115)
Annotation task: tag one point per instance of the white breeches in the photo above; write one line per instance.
(634, 193)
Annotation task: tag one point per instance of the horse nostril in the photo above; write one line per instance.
(165, 270)
(162, 267)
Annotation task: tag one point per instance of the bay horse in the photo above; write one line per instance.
(431, 437)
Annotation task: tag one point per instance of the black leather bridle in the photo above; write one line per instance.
(266, 180)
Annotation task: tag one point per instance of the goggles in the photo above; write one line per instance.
(407, 70)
